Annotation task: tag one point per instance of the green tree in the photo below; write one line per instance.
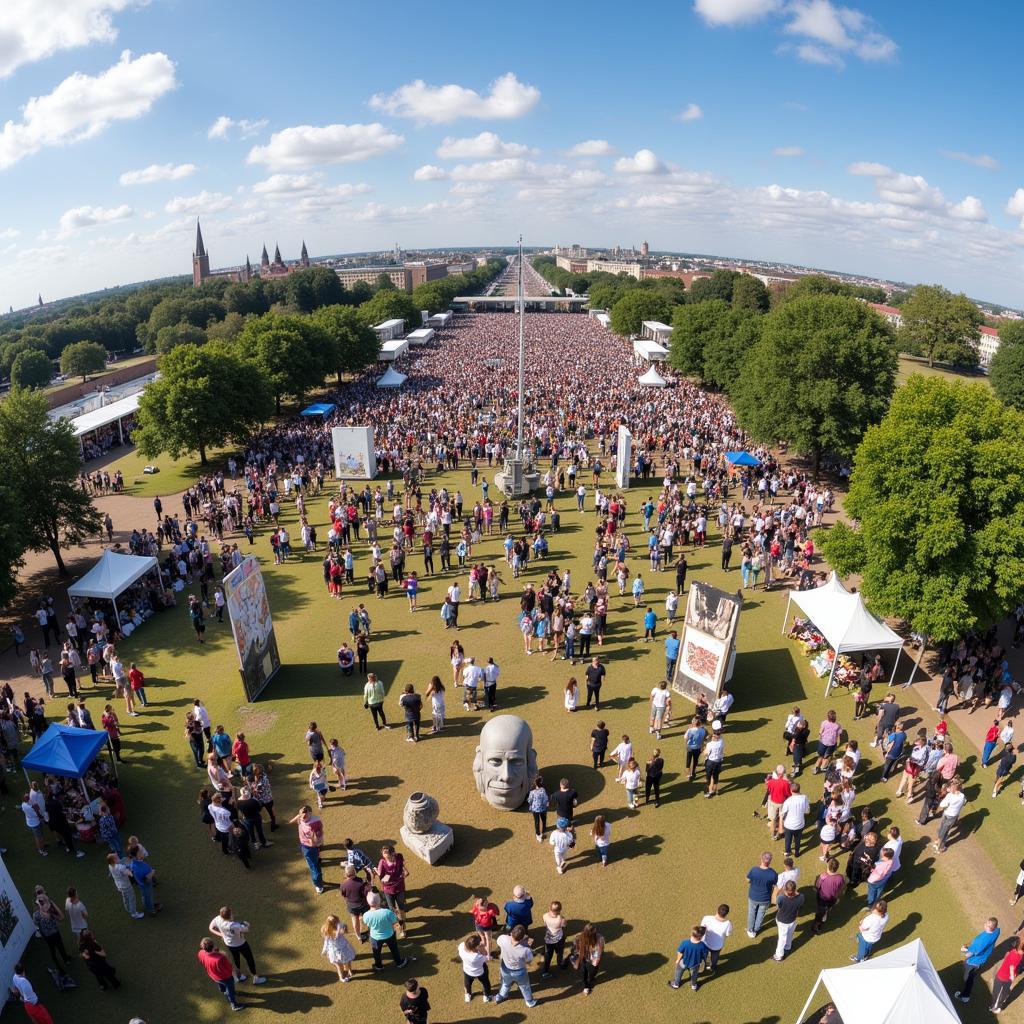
(937, 499)
(941, 325)
(749, 293)
(693, 327)
(12, 542)
(227, 329)
(314, 287)
(286, 349)
(31, 369)
(718, 286)
(205, 398)
(351, 344)
(1011, 333)
(82, 358)
(821, 373)
(384, 283)
(40, 462)
(629, 312)
(605, 294)
(726, 351)
(179, 334)
(1007, 374)
(390, 305)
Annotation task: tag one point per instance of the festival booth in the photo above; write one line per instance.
(439, 320)
(119, 576)
(389, 329)
(647, 351)
(838, 620)
(741, 459)
(323, 409)
(656, 331)
(391, 379)
(16, 927)
(603, 319)
(394, 349)
(421, 336)
(901, 987)
(652, 379)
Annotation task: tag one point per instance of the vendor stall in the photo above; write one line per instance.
(652, 379)
(742, 459)
(318, 409)
(391, 379)
(839, 620)
(122, 580)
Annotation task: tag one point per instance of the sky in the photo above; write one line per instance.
(879, 139)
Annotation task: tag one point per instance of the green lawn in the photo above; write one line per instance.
(669, 866)
(174, 476)
(909, 365)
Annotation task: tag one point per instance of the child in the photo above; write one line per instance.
(572, 693)
(631, 779)
(562, 840)
(602, 835)
(337, 948)
(318, 782)
(690, 956)
(414, 1002)
(671, 605)
(485, 918)
(621, 756)
(337, 756)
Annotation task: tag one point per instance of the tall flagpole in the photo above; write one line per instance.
(522, 354)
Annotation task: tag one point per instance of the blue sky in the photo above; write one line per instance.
(873, 138)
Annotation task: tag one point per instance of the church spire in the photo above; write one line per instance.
(264, 259)
(200, 248)
(277, 256)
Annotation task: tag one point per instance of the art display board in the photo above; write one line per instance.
(353, 453)
(16, 928)
(252, 626)
(707, 651)
(623, 458)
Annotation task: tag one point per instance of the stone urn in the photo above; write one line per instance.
(421, 812)
(422, 832)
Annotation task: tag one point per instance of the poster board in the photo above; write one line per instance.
(252, 626)
(353, 453)
(623, 458)
(707, 650)
(16, 928)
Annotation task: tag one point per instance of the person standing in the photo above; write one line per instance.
(595, 677)
(561, 840)
(414, 1003)
(218, 969)
(762, 879)
(234, 935)
(381, 923)
(690, 956)
(714, 753)
(828, 887)
(1004, 766)
(373, 698)
(474, 966)
(881, 875)
(311, 839)
(47, 918)
(777, 790)
(112, 727)
(976, 955)
(121, 875)
(653, 771)
(337, 948)
(412, 705)
(599, 744)
(661, 699)
(795, 809)
(537, 801)
(1006, 975)
(95, 957)
(671, 652)
(717, 928)
(631, 780)
(950, 805)
(34, 1010)
(392, 872)
(554, 939)
(788, 906)
(515, 956)
(587, 952)
(869, 931)
(491, 673)
(694, 740)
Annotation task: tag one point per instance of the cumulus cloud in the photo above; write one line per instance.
(82, 106)
(32, 30)
(969, 208)
(509, 169)
(90, 216)
(592, 147)
(989, 163)
(286, 184)
(157, 172)
(901, 189)
(227, 128)
(642, 162)
(734, 12)
(437, 104)
(203, 202)
(691, 112)
(480, 147)
(429, 172)
(789, 151)
(306, 145)
(1015, 206)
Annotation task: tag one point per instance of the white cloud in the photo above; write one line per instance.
(83, 105)
(1015, 206)
(788, 151)
(437, 104)
(480, 147)
(691, 112)
(329, 197)
(9, 233)
(157, 172)
(204, 202)
(32, 30)
(429, 172)
(811, 53)
(866, 169)
(509, 169)
(90, 216)
(642, 162)
(285, 184)
(969, 208)
(306, 145)
(901, 189)
(734, 12)
(989, 163)
(593, 147)
(225, 128)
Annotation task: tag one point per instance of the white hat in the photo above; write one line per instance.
(716, 725)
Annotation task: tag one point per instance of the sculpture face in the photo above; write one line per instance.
(505, 762)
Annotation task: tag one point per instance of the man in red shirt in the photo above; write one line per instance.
(1006, 974)
(219, 968)
(240, 752)
(779, 790)
(137, 681)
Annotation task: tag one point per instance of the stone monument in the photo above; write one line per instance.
(422, 832)
(505, 762)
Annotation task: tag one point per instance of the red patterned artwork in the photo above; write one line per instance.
(701, 661)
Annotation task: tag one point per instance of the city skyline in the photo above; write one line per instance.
(796, 131)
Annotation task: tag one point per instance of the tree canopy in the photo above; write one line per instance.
(31, 369)
(1007, 370)
(937, 495)
(940, 326)
(822, 371)
(351, 344)
(83, 358)
(390, 305)
(290, 350)
(637, 305)
(693, 326)
(749, 293)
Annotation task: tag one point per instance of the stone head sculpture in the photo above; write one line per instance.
(505, 762)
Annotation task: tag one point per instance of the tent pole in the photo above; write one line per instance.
(113, 762)
(892, 678)
(85, 792)
(828, 685)
(789, 602)
(803, 1012)
(117, 614)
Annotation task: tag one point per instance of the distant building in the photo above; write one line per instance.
(268, 269)
(462, 267)
(686, 276)
(630, 267)
(988, 345)
(645, 250)
(400, 277)
(420, 272)
(573, 264)
(888, 313)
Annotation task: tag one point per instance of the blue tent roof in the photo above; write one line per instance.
(742, 459)
(62, 750)
(318, 409)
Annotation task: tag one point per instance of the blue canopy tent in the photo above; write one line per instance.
(741, 459)
(63, 750)
(317, 409)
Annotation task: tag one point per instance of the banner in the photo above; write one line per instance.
(16, 928)
(708, 646)
(249, 611)
(353, 453)
(623, 458)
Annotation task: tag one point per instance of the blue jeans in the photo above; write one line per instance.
(570, 648)
(864, 948)
(986, 753)
(670, 666)
(146, 888)
(312, 855)
(116, 846)
(875, 890)
(520, 978)
(141, 694)
(755, 915)
(227, 986)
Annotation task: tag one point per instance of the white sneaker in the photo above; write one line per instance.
(469, 998)
(258, 979)
(487, 999)
(240, 977)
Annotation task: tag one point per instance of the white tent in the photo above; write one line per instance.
(111, 576)
(420, 336)
(645, 350)
(652, 379)
(394, 349)
(391, 379)
(844, 621)
(901, 987)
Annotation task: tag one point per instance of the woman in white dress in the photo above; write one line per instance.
(337, 948)
(572, 694)
(435, 691)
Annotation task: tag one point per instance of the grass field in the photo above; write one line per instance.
(174, 476)
(669, 866)
(909, 365)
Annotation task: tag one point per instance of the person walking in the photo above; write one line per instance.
(778, 789)
(950, 805)
(373, 698)
(788, 904)
(976, 955)
(392, 872)
(415, 1002)
(34, 1009)
(412, 704)
(234, 934)
(1006, 975)
(661, 699)
(1004, 766)
(869, 931)
(515, 956)
(653, 771)
(586, 954)
(435, 691)
(311, 839)
(762, 879)
(538, 802)
(828, 887)
(690, 956)
(337, 948)
(554, 939)
(717, 928)
(218, 969)
(795, 809)
(47, 918)
(474, 966)
(381, 923)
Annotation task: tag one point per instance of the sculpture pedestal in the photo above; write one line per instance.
(430, 846)
(517, 478)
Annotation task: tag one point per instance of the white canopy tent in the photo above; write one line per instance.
(391, 379)
(111, 576)
(394, 349)
(389, 329)
(420, 336)
(603, 319)
(652, 379)
(656, 331)
(844, 621)
(440, 319)
(901, 987)
(645, 350)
